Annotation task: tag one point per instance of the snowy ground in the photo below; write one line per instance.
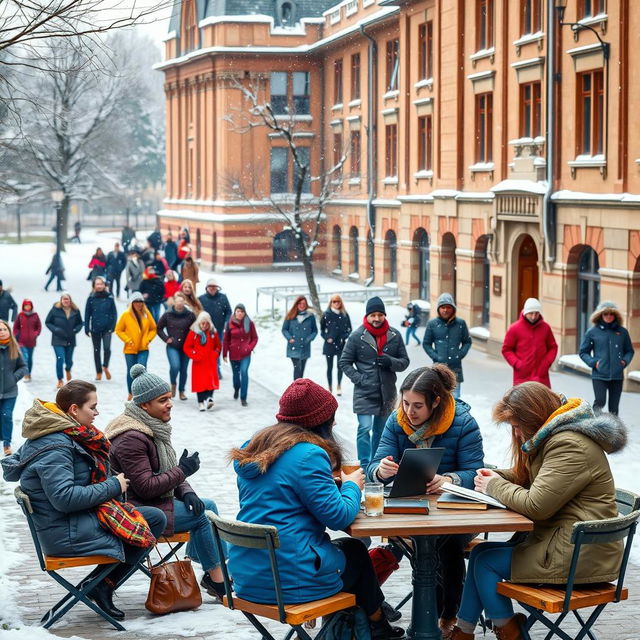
(22, 269)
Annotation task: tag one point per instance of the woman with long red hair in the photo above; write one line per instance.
(300, 329)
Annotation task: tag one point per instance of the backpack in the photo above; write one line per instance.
(349, 624)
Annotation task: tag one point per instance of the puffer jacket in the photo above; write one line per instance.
(462, 444)
(375, 388)
(11, 371)
(303, 334)
(337, 327)
(100, 313)
(63, 329)
(55, 472)
(136, 337)
(570, 481)
(153, 290)
(238, 343)
(26, 328)
(176, 326)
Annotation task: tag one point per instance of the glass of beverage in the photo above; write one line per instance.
(373, 498)
(349, 466)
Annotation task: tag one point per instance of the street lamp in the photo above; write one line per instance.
(57, 195)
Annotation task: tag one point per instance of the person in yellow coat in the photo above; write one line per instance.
(136, 328)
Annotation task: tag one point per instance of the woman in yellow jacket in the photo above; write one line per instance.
(136, 328)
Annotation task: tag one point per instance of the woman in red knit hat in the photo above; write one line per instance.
(286, 479)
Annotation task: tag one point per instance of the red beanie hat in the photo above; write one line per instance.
(306, 403)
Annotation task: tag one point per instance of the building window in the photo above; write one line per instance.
(355, 76)
(355, 152)
(190, 29)
(530, 110)
(589, 112)
(425, 50)
(484, 22)
(391, 146)
(531, 16)
(279, 170)
(391, 256)
(393, 64)
(354, 258)
(337, 149)
(300, 81)
(281, 81)
(304, 158)
(588, 8)
(588, 294)
(337, 81)
(484, 127)
(425, 139)
(279, 100)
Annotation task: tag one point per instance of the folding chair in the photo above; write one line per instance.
(256, 536)
(570, 597)
(177, 539)
(51, 564)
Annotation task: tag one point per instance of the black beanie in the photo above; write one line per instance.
(374, 305)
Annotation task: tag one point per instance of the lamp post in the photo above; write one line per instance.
(57, 195)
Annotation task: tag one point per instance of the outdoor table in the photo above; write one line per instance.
(422, 529)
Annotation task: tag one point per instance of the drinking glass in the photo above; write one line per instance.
(373, 498)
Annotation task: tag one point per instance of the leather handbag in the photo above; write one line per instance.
(173, 587)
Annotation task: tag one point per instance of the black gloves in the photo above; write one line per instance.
(189, 463)
(193, 503)
(384, 361)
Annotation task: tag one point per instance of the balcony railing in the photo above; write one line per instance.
(518, 206)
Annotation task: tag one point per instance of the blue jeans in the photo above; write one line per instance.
(201, 547)
(63, 355)
(369, 432)
(135, 358)
(411, 332)
(178, 366)
(27, 354)
(489, 564)
(240, 370)
(6, 419)
(155, 310)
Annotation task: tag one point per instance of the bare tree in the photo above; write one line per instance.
(304, 216)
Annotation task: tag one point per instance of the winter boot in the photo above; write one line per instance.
(68, 374)
(210, 403)
(7, 450)
(215, 589)
(201, 406)
(457, 634)
(236, 393)
(382, 630)
(446, 625)
(244, 403)
(106, 372)
(182, 395)
(102, 595)
(98, 376)
(173, 390)
(60, 384)
(339, 390)
(513, 629)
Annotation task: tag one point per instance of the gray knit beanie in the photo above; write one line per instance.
(146, 386)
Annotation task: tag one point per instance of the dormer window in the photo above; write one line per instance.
(189, 27)
(285, 13)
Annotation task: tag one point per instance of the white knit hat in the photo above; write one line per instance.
(531, 305)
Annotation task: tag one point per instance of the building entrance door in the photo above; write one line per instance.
(527, 272)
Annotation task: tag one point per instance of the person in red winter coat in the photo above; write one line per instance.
(27, 328)
(529, 346)
(202, 345)
(171, 285)
(240, 339)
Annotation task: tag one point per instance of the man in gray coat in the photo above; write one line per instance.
(446, 338)
(371, 357)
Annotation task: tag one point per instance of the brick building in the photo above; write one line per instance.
(491, 149)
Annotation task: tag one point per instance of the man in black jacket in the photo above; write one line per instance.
(216, 304)
(8, 304)
(152, 288)
(100, 318)
(374, 352)
(116, 262)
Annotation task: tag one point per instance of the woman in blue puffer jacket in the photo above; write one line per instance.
(429, 416)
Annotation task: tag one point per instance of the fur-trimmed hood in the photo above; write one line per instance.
(606, 305)
(606, 429)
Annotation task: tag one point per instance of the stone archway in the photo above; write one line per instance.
(480, 290)
(390, 256)
(336, 248)
(354, 258)
(526, 277)
(420, 265)
(448, 266)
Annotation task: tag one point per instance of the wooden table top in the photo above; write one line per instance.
(439, 521)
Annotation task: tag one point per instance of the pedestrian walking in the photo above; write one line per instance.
(335, 327)
(135, 269)
(216, 304)
(286, 480)
(116, 264)
(446, 338)
(608, 350)
(559, 475)
(152, 290)
(141, 448)
(55, 270)
(127, 237)
(8, 305)
(136, 328)
(184, 248)
(372, 356)
(77, 227)
(160, 264)
(155, 239)
(412, 322)
(64, 321)
(171, 251)
(529, 346)
(171, 286)
(173, 328)
(429, 416)
(202, 345)
(240, 339)
(186, 286)
(97, 264)
(190, 270)
(26, 328)
(100, 318)
(12, 369)
(300, 329)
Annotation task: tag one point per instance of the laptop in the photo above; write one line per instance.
(417, 468)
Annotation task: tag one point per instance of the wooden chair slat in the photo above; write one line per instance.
(183, 536)
(53, 563)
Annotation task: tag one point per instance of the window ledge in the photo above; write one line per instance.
(423, 174)
(390, 180)
(585, 161)
(480, 167)
(483, 53)
(427, 82)
(337, 107)
(391, 94)
(354, 181)
(528, 38)
(355, 103)
(600, 18)
(295, 118)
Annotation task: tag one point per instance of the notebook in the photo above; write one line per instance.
(452, 501)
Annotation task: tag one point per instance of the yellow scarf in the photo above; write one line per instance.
(429, 429)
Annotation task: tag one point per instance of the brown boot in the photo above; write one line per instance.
(512, 630)
(457, 634)
(173, 390)
(446, 625)
(183, 396)
(68, 374)
(7, 451)
(98, 376)
(60, 384)
(107, 373)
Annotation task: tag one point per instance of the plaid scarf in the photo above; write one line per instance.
(120, 518)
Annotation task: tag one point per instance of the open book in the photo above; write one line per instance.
(472, 495)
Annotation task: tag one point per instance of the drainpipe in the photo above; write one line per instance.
(548, 206)
(372, 64)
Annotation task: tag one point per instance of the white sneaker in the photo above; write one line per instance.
(201, 406)
(210, 403)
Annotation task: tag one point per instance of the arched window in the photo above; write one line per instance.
(286, 13)
(448, 266)
(284, 247)
(421, 263)
(189, 26)
(337, 247)
(588, 296)
(481, 271)
(198, 245)
(354, 258)
(391, 256)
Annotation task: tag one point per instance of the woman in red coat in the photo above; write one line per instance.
(529, 346)
(202, 345)
(240, 339)
(27, 328)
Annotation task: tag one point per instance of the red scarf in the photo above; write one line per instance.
(379, 334)
(120, 518)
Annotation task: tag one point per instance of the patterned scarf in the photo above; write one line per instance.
(120, 518)
(423, 435)
(380, 334)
